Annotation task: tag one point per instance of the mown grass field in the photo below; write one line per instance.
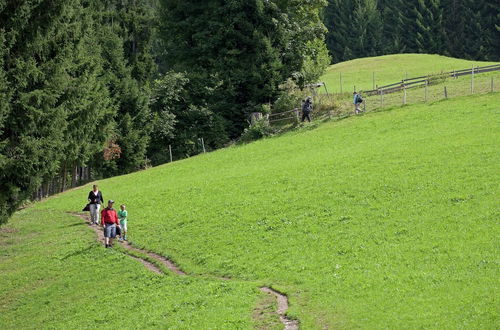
(387, 220)
(389, 69)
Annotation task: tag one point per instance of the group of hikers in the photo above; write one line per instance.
(307, 106)
(113, 223)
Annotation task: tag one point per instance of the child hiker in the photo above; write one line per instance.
(122, 215)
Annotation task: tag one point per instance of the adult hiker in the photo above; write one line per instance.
(307, 109)
(357, 102)
(109, 221)
(95, 200)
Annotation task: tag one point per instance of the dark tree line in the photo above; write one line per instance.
(108, 85)
(460, 28)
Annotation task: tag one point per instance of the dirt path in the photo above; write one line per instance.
(282, 308)
(281, 298)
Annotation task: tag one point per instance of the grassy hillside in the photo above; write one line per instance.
(389, 69)
(387, 220)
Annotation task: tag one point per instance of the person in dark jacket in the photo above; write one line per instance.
(307, 109)
(95, 201)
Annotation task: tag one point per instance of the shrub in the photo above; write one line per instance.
(258, 130)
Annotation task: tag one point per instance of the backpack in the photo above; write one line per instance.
(359, 99)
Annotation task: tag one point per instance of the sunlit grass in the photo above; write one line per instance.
(387, 220)
(389, 69)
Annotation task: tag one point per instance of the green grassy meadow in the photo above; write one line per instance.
(389, 69)
(386, 220)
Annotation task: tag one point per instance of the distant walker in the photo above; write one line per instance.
(307, 108)
(358, 99)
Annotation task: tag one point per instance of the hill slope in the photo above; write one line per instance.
(383, 221)
(389, 69)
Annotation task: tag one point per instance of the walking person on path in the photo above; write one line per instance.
(109, 221)
(357, 102)
(95, 200)
(122, 216)
(307, 109)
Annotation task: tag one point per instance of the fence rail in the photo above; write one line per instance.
(427, 80)
(294, 114)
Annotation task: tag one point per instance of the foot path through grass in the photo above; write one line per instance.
(281, 298)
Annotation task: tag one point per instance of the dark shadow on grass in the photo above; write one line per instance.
(76, 224)
(77, 253)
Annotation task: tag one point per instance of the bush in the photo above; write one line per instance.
(258, 130)
(290, 97)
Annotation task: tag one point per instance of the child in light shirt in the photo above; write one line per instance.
(122, 216)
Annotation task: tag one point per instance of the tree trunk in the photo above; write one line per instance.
(74, 175)
(63, 174)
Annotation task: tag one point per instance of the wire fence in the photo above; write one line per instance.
(448, 85)
(431, 79)
(449, 88)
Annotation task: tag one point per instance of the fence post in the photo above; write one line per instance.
(364, 105)
(381, 99)
(373, 79)
(445, 92)
(203, 145)
(404, 95)
(170, 152)
(472, 81)
(296, 111)
(492, 85)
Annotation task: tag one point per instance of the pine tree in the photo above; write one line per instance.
(88, 103)
(395, 21)
(40, 39)
(476, 45)
(428, 33)
(339, 16)
(367, 29)
(491, 16)
(454, 23)
(125, 38)
(5, 206)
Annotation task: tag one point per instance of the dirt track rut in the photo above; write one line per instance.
(281, 298)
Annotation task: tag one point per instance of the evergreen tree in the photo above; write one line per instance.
(339, 16)
(5, 208)
(367, 29)
(428, 33)
(490, 25)
(493, 9)
(454, 23)
(395, 21)
(88, 103)
(41, 65)
(460, 28)
(476, 41)
(125, 38)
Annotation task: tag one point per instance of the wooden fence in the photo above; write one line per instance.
(287, 115)
(429, 80)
